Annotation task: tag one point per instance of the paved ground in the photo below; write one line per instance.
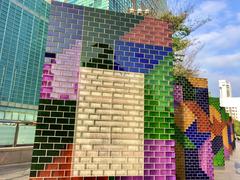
(15, 172)
(229, 172)
(21, 171)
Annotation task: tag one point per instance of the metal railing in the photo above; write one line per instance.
(6, 125)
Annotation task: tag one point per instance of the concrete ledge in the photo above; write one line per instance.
(13, 155)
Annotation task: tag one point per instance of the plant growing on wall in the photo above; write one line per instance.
(185, 49)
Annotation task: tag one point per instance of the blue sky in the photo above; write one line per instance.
(220, 56)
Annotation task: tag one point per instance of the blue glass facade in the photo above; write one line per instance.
(156, 6)
(23, 34)
(23, 30)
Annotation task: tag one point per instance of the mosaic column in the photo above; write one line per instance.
(194, 157)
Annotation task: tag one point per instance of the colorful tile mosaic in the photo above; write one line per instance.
(192, 129)
(106, 107)
(222, 133)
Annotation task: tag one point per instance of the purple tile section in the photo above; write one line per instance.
(130, 178)
(159, 159)
(226, 153)
(65, 27)
(206, 158)
(60, 75)
(178, 94)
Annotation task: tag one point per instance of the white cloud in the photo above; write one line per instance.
(238, 16)
(212, 7)
(220, 61)
(209, 9)
(220, 39)
(216, 67)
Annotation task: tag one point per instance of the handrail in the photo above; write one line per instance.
(17, 123)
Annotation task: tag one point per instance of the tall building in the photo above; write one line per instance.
(156, 6)
(101, 4)
(23, 31)
(231, 104)
(225, 89)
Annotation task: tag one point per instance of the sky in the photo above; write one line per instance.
(220, 56)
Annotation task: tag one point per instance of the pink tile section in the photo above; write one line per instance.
(206, 158)
(150, 31)
(60, 75)
(159, 160)
(178, 94)
(226, 153)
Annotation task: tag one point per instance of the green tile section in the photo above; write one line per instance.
(215, 102)
(189, 92)
(182, 139)
(218, 159)
(159, 111)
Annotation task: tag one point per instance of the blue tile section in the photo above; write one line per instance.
(229, 135)
(197, 138)
(217, 144)
(191, 170)
(135, 57)
(202, 99)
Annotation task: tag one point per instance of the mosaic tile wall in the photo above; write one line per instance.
(106, 108)
(194, 157)
(222, 134)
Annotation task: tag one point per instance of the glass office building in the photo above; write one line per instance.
(114, 5)
(156, 6)
(101, 4)
(23, 31)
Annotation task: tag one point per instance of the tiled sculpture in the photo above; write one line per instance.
(192, 129)
(106, 107)
(107, 104)
(222, 132)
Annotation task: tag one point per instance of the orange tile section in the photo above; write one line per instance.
(59, 169)
(203, 122)
(225, 137)
(214, 113)
(180, 161)
(183, 117)
(198, 82)
(150, 31)
(217, 127)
